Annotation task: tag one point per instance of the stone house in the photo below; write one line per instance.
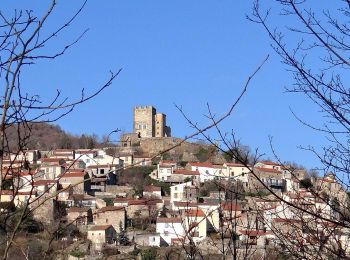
(81, 200)
(142, 160)
(236, 171)
(140, 208)
(31, 156)
(100, 235)
(195, 223)
(152, 191)
(52, 167)
(111, 215)
(24, 197)
(183, 174)
(77, 179)
(6, 195)
(147, 239)
(272, 178)
(79, 216)
(255, 237)
(165, 169)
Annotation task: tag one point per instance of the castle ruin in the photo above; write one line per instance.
(148, 123)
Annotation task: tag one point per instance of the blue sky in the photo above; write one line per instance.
(173, 52)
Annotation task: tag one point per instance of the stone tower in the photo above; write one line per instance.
(160, 124)
(144, 121)
(149, 123)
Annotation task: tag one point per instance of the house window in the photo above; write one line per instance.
(102, 171)
(175, 188)
(87, 160)
(106, 220)
(175, 195)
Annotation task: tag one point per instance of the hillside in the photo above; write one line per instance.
(45, 136)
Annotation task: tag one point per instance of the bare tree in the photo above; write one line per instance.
(23, 43)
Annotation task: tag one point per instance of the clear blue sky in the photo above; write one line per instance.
(183, 52)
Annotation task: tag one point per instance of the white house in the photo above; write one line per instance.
(183, 192)
(236, 171)
(165, 169)
(86, 155)
(170, 230)
(207, 171)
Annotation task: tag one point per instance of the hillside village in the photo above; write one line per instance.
(96, 204)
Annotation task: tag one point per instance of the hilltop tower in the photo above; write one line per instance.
(148, 123)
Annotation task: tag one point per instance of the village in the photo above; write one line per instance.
(201, 208)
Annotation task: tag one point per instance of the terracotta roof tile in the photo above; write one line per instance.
(169, 220)
(186, 172)
(100, 227)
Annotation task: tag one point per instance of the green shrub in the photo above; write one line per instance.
(77, 253)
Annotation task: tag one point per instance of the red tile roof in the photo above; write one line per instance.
(255, 233)
(186, 172)
(110, 208)
(72, 174)
(236, 165)
(44, 182)
(230, 207)
(77, 209)
(169, 220)
(185, 204)
(52, 159)
(286, 220)
(101, 166)
(152, 188)
(100, 227)
(261, 169)
(270, 163)
(6, 192)
(194, 213)
(33, 192)
(85, 151)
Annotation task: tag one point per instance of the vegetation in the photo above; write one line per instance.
(77, 253)
(109, 201)
(46, 136)
(149, 254)
(306, 183)
(203, 154)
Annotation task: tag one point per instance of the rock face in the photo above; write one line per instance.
(182, 151)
